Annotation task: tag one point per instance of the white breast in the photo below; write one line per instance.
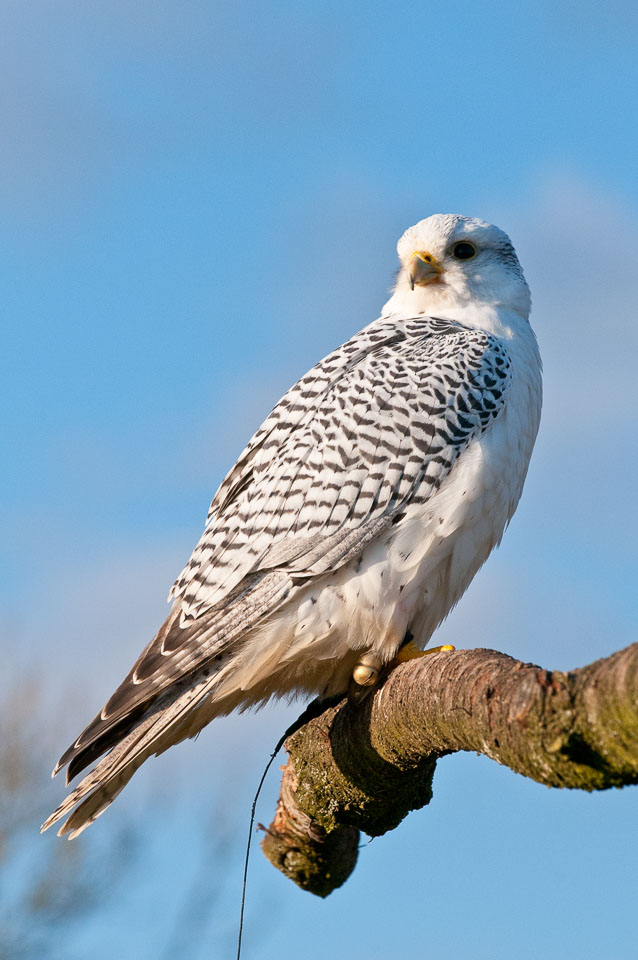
(413, 577)
(452, 539)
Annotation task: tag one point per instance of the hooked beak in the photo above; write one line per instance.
(423, 268)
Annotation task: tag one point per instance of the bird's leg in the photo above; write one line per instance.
(367, 669)
(411, 652)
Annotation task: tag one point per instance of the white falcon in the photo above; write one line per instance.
(355, 518)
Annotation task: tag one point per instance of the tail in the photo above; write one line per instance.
(169, 720)
(184, 678)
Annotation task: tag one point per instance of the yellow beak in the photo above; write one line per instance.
(423, 268)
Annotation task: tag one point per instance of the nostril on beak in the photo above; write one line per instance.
(422, 268)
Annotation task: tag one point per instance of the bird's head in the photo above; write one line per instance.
(452, 260)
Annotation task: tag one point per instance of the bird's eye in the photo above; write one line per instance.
(463, 250)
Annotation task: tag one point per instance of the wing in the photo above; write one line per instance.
(384, 416)
(374, 427)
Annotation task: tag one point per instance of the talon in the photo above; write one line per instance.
(366, 671)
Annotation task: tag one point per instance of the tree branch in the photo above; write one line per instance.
(364, 765)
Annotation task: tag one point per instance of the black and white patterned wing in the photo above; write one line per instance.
(375, 426)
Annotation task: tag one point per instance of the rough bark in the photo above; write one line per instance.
(363, 765)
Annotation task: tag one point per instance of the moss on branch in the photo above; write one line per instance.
(363, 765)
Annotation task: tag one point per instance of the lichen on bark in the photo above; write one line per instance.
(364, 765)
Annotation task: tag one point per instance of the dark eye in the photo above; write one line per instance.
(463, 250)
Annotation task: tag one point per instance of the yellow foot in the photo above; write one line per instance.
(367, 669)
(410, 652)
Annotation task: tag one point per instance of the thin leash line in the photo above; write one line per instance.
(248, 844)
(314, 708)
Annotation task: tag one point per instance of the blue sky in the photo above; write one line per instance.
(199, 200)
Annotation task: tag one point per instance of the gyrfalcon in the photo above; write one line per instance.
(355, 518)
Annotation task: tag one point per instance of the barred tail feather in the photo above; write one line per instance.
(169, 721)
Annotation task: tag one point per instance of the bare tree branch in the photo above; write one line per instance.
(364, 765)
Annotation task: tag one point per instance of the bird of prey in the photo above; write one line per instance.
(354, 519)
